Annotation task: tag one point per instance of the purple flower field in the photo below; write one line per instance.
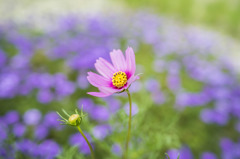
(187, 100)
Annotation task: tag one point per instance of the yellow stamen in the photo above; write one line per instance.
(119, 79)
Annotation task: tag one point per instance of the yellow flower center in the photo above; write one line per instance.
(119, 79)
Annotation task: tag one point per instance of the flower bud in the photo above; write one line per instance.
(74, 120)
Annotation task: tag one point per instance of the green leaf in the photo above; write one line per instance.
(178, 156)
(76, 111)
(167, 155)
(61, 116)
(82, 111)
(65, 113)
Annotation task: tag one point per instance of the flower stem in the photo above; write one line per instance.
(125, 155)
(89, 145)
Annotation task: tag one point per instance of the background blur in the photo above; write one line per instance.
(186, 101)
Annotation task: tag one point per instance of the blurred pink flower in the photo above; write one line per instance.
(115, 77)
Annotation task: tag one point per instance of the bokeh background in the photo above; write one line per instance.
(186, 102)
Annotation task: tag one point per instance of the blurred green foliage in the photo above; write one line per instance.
(223, 15)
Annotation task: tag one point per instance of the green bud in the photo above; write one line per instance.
(74, 120)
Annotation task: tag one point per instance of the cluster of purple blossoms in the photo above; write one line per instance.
(14, 131)
(229, 149)
(185, 153)
(52, 64)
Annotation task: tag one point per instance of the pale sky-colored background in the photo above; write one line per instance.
(18, 9)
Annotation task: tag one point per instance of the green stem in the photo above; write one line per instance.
(89, 145)
(125, 156)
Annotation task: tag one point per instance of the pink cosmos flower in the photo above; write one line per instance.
(115, 77)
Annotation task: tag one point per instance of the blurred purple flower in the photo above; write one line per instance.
(235, 109)
(158, 97)
(3, 131)
(100, 113)
(237, 149)
(222, 106)
(11, 117)
(3, 152)
(19, 62)
(229, 149)
(208, 155)
(220, 118)
(159, 66)
(19, 129)
(191, 99)
(41, 132)
(213, 116)
(45, 96)
(8, 85)
(173, 82)
(226, 144)
(113, 104)
(116, 149)
(32, 80)
(207, 115)
(7, 152)
(134, 109)
(25, 89)
(45, 81)
(49, 149)
(63, 86)
(183, 153)
(32, 117)
(135, 87)
(51, 120)
(27, 147)
(22, 43)
(87, 103)
(82, 82)
(152, 85)
(173, 153)
(173, 67)
(221, 93)
(101, 131)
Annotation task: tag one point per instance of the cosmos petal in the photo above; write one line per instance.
(105, 68)
(118, 60)
(98, 94)
(130, 59)
(97, 80)
(131, 80)
(104, 92)
(108, 90)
